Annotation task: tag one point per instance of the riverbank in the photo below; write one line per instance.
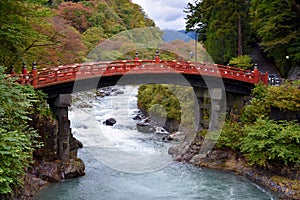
(285, 181)
(47, 167)
(282, 180)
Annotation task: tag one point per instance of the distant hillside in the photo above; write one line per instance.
(170, 36)
(190, 34)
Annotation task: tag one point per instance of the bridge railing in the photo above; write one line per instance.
(68, 73)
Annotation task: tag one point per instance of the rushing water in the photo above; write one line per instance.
(122, 163)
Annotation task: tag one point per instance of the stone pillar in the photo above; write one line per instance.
(235, 103)
(211, 103)
(60, 109)
(216, 108)
(204, 104)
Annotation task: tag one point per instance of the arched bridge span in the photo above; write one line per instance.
(61, 79)
(59, 82)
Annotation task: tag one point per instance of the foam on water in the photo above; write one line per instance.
(120, 146)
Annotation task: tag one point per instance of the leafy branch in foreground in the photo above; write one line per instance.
(17, 139)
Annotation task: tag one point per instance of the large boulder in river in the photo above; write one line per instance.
(145, 126)
(110, 121)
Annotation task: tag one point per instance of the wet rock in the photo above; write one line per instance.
(74, 145)
(119, 92)
(49, 171)
(74, 168)
(177, 136)
(31, 186)
(84, 105)
(173, 150)
(171, 125)
(162, 131)
(145, 127)
(110, 121)
(138, 117)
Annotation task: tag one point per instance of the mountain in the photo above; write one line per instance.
(190, 34)
(170, 35)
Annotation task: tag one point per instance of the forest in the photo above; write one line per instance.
(56, 32)
(229, 28)
(59, 32)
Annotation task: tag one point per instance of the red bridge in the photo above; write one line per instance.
(75, 72)
(59, 82)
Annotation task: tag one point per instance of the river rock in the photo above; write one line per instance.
(176, 136)
(31, 186)
(138, 117)
(84, 105)
(110, 121)
(74, 168)
(49, 171)
(162, 131)
(145, 128)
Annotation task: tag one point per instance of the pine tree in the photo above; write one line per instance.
(222, 26)
(277, 25)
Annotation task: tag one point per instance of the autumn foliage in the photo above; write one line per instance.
(61, 32)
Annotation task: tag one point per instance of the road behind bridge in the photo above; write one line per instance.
(264, 64)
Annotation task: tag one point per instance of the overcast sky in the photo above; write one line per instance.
(167, 14)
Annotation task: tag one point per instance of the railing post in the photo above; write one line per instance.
(34, 75)
(24, 68)
(266, 81)
(12, 70)
(136, 56)
(256, 74)
(157, 58)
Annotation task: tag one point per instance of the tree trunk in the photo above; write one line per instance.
(240, 41)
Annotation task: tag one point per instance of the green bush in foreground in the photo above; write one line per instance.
(17, 139)
(262, 140)
(270, 141)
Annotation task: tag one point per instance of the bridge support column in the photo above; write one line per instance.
(210, 107)
(235, 103)
(59, 107)
(204, 106)
(217, 108)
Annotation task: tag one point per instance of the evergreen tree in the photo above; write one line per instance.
(277, 25)
(222, 25)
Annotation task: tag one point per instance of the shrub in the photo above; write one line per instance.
(270, 141)
(17, 139)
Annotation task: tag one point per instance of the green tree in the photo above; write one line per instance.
(17, 34)
(17, 139)
(243, 62)
(277, 26)
(222, 25)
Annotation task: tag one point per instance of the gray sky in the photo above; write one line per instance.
(167, 14)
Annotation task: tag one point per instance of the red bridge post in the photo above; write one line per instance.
(157, 58)
(12, 70)
(34, 75)
(136, 56)
(24, 68)
(256, 74)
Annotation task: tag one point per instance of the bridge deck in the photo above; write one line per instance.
(70, 73)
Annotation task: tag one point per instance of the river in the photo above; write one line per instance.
(124, 164)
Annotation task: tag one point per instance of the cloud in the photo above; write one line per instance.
(167, 14)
